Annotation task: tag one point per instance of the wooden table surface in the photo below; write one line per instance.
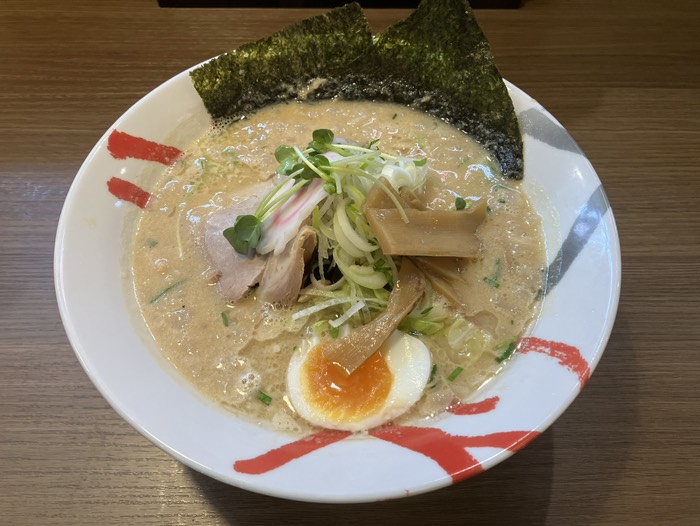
(621, 76)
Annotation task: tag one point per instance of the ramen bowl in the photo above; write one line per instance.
(553, 363)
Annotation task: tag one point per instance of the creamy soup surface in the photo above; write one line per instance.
(233, 352)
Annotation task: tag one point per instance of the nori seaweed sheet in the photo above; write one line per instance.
(277, 67)
(437, 60)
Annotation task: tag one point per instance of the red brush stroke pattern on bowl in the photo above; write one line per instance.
(128, 191)
(125, 146)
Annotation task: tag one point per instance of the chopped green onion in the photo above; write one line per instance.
(357, 240)
(167, 289)
(264, 397)
(362, 275)
(493, 279)
(431, 378)
(426, 310)
(381, 266)
(492, 282)
(320, 327)
(508, 347)
(224, 319)
(151, 243)
(454, 374)
(423, 326)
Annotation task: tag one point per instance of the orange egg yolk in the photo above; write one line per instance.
(344, 397)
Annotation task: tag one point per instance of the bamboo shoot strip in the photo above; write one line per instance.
(442, 233)
(353, 350)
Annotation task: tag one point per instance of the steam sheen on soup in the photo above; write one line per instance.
(238, 352)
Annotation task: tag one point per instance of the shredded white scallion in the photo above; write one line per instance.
(348, 314)
(320, 306)
(326, 206)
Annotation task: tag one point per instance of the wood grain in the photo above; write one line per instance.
(621, 76)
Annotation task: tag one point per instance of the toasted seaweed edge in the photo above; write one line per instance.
(276, 67)
(441, 48)
(411, 63)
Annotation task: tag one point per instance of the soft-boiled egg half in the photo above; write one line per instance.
(381, 389)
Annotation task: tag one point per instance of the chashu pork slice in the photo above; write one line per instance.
(284, 274)
(236, 272)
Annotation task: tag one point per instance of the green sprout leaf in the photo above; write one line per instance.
(245, 234)
(287, 158)
(322, 139)
(321, 162)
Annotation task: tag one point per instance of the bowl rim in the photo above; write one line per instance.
(259, 485)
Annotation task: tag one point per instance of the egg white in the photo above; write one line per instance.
(408, 360)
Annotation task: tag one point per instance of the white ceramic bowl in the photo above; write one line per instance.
(97, 307)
